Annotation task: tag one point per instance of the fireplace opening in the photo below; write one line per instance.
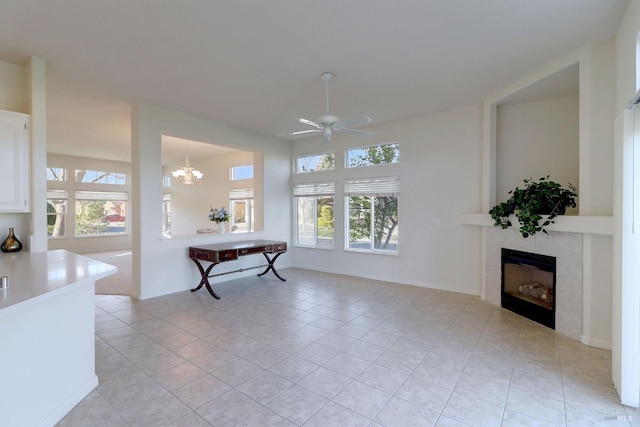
(528, 285)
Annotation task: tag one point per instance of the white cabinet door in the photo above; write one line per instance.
(14, 162)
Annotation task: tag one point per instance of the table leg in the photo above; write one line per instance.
(205, 278)
(271, 266)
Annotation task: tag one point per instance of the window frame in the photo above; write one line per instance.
(246, 196)
(233, 172)
(314, 191)
(297, 170)
(348, 151)
(64, 174)
(54, 194)
(84, 195)
(371, 187)
(105, 174)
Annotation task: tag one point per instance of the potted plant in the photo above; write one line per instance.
(529, 204)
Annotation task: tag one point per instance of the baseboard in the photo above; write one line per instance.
(70, 403)
(594, 342)
(394, 280)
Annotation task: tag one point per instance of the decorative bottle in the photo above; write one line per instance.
(11, 243)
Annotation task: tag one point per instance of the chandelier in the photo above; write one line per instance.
(187, 175)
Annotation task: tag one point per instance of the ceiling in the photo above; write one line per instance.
(257, 64)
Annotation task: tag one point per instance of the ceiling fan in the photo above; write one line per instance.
(329, 124)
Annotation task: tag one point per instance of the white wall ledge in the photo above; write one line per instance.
(563, 223)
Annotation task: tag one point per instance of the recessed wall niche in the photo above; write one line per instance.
(537, 133)
(186, 207)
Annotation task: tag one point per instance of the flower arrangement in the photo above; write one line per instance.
(219, 215)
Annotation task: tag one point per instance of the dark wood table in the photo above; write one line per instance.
(221, 252)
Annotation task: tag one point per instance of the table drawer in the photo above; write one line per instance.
(282, 247)
(229, 255)
(203, 255)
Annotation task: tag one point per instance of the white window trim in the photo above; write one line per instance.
(369, 187)
(315, 190)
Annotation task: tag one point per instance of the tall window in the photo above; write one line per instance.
(241, 206)
(314, 214)
(166, 214)
(316, 162)
(100, 213)
(372, 219)
(56, 213)
(374, 155)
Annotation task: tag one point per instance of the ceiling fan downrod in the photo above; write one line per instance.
(326, 78)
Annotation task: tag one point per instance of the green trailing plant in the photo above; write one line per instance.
(529, 204)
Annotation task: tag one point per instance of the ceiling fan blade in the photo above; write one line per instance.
(353, 122)
(310, 123)
(358, 132)
(301, 132)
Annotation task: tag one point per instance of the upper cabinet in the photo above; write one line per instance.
(14, 162)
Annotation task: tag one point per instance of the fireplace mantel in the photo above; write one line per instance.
(563, 223)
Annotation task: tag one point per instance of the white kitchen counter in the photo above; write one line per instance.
(47, 334)
(35, 276)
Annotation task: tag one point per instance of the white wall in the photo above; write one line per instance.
(161, 266)
(190, 204)
(597, 114)
(626, 302)
(440, 177)
(89, 244)
(536, 139)
(626, 45)
(13, 88)
(23, 89)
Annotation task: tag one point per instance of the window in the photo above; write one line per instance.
(100, 213)
(372, 219)
(314, 214)
(56, 213)
(241, 172)
(375, 155)
(56, 174)
(241, 206)
(316, 162)
(166, 214)
(100, 177)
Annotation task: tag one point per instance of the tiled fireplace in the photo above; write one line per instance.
(566, 248)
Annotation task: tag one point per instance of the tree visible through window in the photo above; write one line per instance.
(375, 155)
(95, 212)
(316, 162)
(100, 213)
(314, 214)
(372, 220)
(56, 212)
(100, 177)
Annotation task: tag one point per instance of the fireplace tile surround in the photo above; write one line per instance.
(566, 247)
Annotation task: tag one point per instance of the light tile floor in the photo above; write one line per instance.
(330, 350)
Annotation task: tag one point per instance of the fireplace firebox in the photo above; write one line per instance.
(528, 285)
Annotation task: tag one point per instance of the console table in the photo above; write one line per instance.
(221, 252)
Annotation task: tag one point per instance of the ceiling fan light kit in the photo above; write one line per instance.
(328, 124)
